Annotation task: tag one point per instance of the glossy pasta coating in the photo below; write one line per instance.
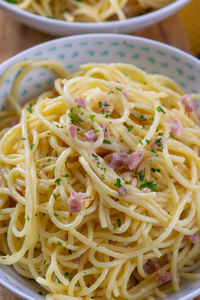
(100, 183)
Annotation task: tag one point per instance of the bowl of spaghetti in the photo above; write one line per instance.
(100, 167)
(60, 17)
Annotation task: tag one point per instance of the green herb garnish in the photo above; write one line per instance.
(107, 142)
(119, 223)
(160, 109)
(141, 175)
(148, 184)
(58, 181)
(118, 182)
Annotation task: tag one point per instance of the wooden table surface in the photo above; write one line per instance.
(15, 37)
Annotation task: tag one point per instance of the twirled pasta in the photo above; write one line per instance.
(99, 184)
(90, 10)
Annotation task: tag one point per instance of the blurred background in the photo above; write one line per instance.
(181, 30)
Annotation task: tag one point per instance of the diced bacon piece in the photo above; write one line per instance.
(125, 93)
(176, 127)
(12, 202)
(189, 104)
(72, 130)
(90, 136)
(157, 142)
(76, 200)
(77, 260)
(148, 267)
(128, 11)
(134, 159)
(13, 123)
(114, 17)
(106, 131)
(118, 160)
(193, 238)
(153, 265)
(80, 101)
(163, 276)
(122, 190)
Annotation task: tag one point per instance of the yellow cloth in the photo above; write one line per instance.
(190, 16)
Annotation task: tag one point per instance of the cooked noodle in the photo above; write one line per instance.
(99, 183)
(90, 10)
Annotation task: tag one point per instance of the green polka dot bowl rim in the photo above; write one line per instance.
(62, 28)
(71, 52)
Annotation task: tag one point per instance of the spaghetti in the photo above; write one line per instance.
(89, 10)
(99, 184)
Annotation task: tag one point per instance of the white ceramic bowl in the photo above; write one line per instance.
(57, 27)
(73, 51)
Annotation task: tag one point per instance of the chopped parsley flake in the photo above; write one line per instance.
(58, 126)
(40, 293)
(92, 118)
(65, 175)
(102, 176)
(55, 195)
(28, 218)
(154, 151)
(155, 170)
(70, 251)
(58, 181)
(141, 175)
(148, 184)
(75, 118)
(95, 156)
(32, 145)
(23, 139)
(107, 142)
(142, 117)
(141, 142)
(59, 243)
(118, 182)
(130, 127)
(100, 103)
(157, 141)
(66, 274)
(118, 89)
(160, 109)
(44, 262)
(30, 108)
(119, 223)
(96, 131)
(48, 160)
(56, 215)
(58, 280)
(171, 134)
(147, 141)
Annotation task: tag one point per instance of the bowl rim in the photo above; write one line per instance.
(174, 6)
(11, 60)
(162, 45)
